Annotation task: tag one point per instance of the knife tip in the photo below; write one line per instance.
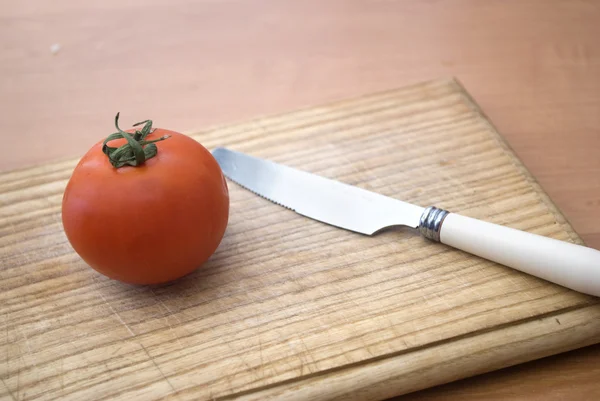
(219, 152)
(221, 155)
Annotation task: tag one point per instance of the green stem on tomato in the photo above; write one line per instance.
(137, 149)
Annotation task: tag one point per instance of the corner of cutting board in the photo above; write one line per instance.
(559, 216)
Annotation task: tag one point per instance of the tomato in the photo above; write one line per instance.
(150, 219)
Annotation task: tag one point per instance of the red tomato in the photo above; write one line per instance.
(152, 222)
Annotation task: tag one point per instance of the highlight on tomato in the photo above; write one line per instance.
(146, 206)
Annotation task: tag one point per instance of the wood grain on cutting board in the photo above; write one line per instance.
(290, 308)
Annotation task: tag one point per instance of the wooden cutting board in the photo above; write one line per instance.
(289, 308)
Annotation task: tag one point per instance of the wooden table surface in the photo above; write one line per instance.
(533, 66)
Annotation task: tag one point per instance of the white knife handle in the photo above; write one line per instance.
(573, 266)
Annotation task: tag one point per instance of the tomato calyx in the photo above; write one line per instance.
(137, 149)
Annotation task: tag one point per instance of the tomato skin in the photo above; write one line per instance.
(152, 223)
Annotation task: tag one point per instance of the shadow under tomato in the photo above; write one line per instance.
(190, 297)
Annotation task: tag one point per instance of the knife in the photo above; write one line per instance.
(352, 208)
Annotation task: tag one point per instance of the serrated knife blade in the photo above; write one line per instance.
(342, 205)
(319, 198)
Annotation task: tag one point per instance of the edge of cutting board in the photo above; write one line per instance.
(449, 360)
(558, 215)
(454, 358)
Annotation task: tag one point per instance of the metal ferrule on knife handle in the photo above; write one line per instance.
(431, 222)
